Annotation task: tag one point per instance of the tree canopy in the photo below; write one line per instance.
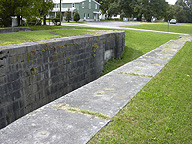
(24, 8)
(182, 10)
(135, 8)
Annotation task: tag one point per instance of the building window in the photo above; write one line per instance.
(57, 6)
(83, 4)
(95, 6)
(73, 5)
(88, 15)
(89, 5)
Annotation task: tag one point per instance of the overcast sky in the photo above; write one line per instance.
(171, 1)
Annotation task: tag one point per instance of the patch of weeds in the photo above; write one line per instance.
(33, 51)
(100, 92)
(89, 39)
(133, 74)
(95, 47)
(48, 44)
(46, 49)
(28, 56)
(33, 71)
(109, 89)
(68, 60)
(77, 110)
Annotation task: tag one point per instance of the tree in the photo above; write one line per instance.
(6, 11)
(185, 12)
(170, 13)
(113, 9)
(149, 8)
(23, 8)
(126, 8)
(76, 16)
(105, 5)
(68, 15)
(137, 8)
(180, 14)
(43, 7)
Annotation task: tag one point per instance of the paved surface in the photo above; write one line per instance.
(79, 115)
(117, 25)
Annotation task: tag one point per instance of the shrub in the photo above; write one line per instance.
(76, 16)
(68, 15)
(33, 21)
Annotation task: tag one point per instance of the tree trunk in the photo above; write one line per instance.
(44, 20)
(18, 20)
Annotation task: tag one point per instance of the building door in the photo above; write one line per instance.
(95, 17)
(84, 16)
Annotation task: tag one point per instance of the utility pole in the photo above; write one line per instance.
(168, 25)
(60, 12)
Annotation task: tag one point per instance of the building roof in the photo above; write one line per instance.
(72, 1)
(68, 1)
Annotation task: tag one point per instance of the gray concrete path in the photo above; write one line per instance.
(117, 25)
(76, 117)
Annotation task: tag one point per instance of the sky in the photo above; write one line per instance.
(171, 1)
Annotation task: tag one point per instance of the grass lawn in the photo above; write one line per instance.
(161, 112)
(164, 27)
(136, 44)
(19, 37)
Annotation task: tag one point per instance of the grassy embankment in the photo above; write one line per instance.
(161, 112)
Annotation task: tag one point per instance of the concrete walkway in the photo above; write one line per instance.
(76, 117)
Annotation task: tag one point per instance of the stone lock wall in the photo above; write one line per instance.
(35, 73)
(10, 30)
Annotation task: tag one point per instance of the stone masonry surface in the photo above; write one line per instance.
(33, 74)
(9, 30)
(80, 114)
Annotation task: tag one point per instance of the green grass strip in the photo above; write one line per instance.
(31, 36)
(164, 27)
(161, 112)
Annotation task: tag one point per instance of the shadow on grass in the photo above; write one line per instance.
(128, 55)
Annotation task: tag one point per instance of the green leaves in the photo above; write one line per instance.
(24, 8)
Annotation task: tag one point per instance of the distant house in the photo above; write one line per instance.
(88, 9)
